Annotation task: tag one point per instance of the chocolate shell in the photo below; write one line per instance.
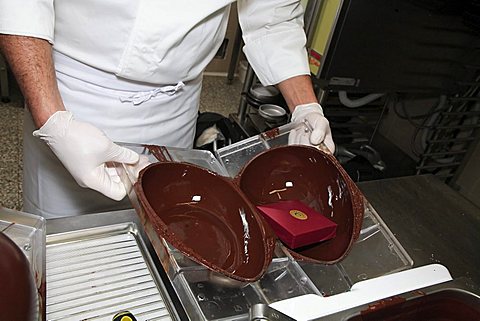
(206, 217)
(314, 178)
(214, 220)
(18, 294)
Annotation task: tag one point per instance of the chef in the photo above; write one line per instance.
(97, 72)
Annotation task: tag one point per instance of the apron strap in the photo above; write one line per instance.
(143, 96)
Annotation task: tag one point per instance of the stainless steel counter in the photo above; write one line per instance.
(91, 221)
(434, 223)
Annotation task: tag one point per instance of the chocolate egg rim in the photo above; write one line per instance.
(356, 199)
(162, 229)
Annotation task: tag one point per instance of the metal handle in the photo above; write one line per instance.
(262, 312)
(322, 145)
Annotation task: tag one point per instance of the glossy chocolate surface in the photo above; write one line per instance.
(441, 306)
(17, 287)
(206, 217)
(314, 178)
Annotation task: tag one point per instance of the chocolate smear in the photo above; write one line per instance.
(18, 294)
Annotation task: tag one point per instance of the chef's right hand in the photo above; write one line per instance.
(84, 151)
(313, 129)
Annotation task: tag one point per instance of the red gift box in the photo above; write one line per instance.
(296, 224)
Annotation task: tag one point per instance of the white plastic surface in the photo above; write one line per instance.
(310, 306)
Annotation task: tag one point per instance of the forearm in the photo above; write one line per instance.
(300, 97)
(31, 62)
(297, 91)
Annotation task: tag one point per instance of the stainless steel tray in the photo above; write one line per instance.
(206, 295)
(94, 273)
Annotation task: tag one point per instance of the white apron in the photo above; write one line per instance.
(126, 111)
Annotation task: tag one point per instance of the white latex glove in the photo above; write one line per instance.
(313, 128)
(84, 151)
(134, 169)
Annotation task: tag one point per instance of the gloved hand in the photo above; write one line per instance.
(133, 170)
(84, 150)
(313, 127)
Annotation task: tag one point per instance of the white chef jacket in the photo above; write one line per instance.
(163, 41)
(108, 51)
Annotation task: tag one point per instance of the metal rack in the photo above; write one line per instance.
(353, 125)
(447, 133)
(451, 134)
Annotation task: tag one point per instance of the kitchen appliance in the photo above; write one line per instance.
(408, 46)
(208, 295)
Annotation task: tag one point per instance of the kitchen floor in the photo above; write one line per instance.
(217, 96)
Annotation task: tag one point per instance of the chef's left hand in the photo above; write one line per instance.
(313, 129)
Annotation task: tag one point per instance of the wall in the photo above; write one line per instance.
(218, 65)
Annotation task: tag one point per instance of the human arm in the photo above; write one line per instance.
(83, 149)
(26, 37)
(302, 102)
(275, 47)
(297, 90)
(30, 60)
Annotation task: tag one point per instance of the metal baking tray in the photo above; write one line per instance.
(94, 273)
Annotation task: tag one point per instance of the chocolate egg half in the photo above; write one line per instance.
(18, 294)
(206, 217)
(315, 178)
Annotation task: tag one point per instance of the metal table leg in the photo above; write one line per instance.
(237, 45)
(242, 109)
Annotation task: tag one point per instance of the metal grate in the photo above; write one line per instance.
(94, 279)
(450, 133)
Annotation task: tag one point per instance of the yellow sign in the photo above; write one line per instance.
(299, 215)
(323, 32)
